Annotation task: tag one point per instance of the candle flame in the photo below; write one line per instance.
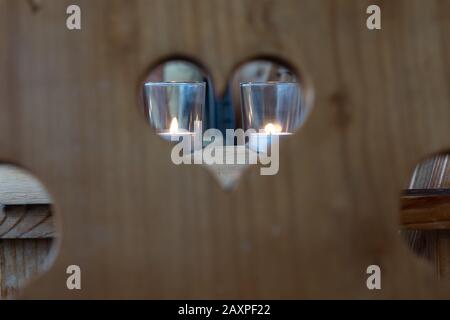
(174, 126)
(271, 128)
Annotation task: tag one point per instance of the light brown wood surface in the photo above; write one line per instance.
(27, 222)
(20, 261)
(69, 113)
(18, 187)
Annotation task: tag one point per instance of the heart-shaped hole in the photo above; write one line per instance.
(264, 103)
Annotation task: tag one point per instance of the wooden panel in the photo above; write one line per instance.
(20, 260)
(425, 211)
(68, 101)
(18, 187)
(26, 222)
(428, 208)
(419, 211)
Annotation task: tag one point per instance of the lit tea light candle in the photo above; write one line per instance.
(261, 141)
(175, 132)
(271, 128)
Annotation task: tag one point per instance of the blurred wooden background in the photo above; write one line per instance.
(140, 227)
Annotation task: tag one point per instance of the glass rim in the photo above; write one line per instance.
(168, 83)
(268, 83)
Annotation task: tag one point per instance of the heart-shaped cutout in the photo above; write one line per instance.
(264, 103)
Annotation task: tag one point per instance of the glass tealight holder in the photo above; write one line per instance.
(175, 108)
(271, 110)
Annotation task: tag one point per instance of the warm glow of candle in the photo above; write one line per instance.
(174, 126)
(271, 128)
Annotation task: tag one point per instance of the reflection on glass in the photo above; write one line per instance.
(254, 71)
(184, 71)
(272, 109)
(223, 112)
(173, 107)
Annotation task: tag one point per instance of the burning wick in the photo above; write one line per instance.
(174, 131)
(271, 128)
(173, 126)
(262, 140)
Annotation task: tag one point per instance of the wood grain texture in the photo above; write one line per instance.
(20, 261)
(425, 212)
(69, 113)
(27, 222)
(19, 187)
(429, 211)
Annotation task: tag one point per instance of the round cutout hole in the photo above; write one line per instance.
(27, 229)
(425, 213)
